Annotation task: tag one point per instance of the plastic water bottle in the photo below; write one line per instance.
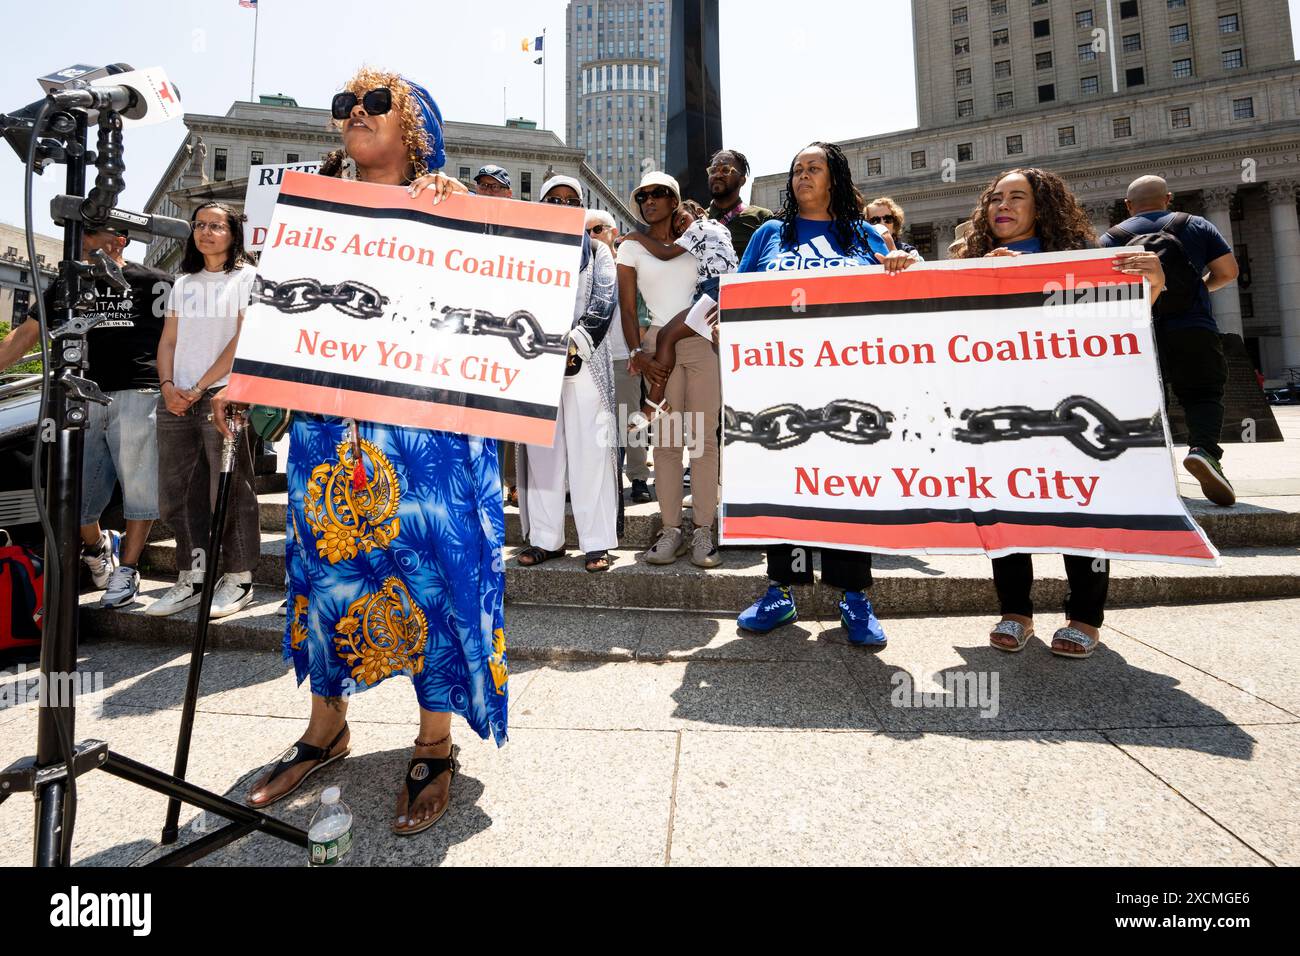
(330, 835)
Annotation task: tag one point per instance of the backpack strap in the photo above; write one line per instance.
(1177, 224)
(1121, 235)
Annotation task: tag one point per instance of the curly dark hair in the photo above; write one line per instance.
(192, 260)
(846, 203)
(1060, 223)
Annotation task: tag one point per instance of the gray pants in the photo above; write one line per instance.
(189, 465)
(627, 393)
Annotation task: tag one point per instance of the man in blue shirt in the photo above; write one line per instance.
(1191, 353)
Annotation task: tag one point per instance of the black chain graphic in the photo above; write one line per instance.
(858, 423)
(1113, 436)
(360, 301)
(302, 295)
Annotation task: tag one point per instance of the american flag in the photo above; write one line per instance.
(248, 3)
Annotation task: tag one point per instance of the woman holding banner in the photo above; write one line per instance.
(394, 535)
(821, 227)
(1024, 211)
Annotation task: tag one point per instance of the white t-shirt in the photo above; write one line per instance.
(207, 306)
(668, 286)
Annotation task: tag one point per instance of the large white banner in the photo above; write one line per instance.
(376, 306)
(993, 405)
(260, 195)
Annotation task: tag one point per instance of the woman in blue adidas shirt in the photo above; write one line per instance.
(1024, 211)
(820, 227)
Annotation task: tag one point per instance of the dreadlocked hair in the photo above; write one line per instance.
(742, 163)
(1060, 223)
(413, 134)
(846, 203)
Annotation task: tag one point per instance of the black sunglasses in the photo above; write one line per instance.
(877, 220)
(597, 229)
(658, 192)
(557, 201)
(377, 102)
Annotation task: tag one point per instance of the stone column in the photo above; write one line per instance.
(943, 235)
(1099, 214)
(1226, 302)
(1286, 258)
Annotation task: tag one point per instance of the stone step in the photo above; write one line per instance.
(1260, 522)
(933, 584)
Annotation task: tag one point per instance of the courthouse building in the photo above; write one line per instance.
(212, 161)
(1203, 92)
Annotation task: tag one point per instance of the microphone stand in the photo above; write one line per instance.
(51, 774)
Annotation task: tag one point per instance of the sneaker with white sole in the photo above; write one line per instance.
(181, 596)
(668, 547)
(234, 592)
(704, 553)
(103, 561)
(1205, 468)
(123, 586)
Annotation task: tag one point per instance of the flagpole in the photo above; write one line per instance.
(544, 59)
(252, 79)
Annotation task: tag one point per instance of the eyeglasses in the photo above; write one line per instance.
(487, 185)
(377, 102)
(560, 201)
(597, 229)
(658, 192)
(721, 169)
(200, 226)
(877, 220)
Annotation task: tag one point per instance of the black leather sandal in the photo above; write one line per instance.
(301, 753)
(536, 555)
(597, 561)
(420, 772)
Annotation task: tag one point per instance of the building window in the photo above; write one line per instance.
(1176, 4)
(1182, 69)
(873, 166)
(963, 77)
(959, 15)
(219, 163)
(1042, 28)
(1083, 19)
(1089, 84)
(1232, 60)
(1087, 53)
(1181, 117)
(918, 159)
(1135, 76)
(1001, 69)
(1180, 33)
(1128, 9)
(464, 175)
(998, 8)
(1006, 100)
(1247, 303)
(965, 152)
(1000, 38)
(1015, 144)
(965, 107)
(1047, 92)
(291, 157)
(1121, 127)
(961, 46)
(526, 185)
(1065, 136)
(1132, 42)
(12, 252)
(1229, 23)
(1043, 61)
(1243, 108)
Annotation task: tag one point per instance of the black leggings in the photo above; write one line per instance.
(1013, 576)
(789, 564)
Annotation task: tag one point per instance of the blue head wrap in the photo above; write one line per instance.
(431, 119)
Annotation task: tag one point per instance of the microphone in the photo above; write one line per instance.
(122, 99)
(136, 225)
(142, 97)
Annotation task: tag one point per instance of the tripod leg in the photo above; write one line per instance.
(228, 452)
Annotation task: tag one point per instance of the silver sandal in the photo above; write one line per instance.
(1075, 636)
(1014, 630)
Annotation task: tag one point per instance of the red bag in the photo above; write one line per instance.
(22, 588)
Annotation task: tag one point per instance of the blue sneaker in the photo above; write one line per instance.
(774, 608)
(860, 621)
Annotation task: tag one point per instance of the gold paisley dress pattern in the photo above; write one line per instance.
(400, 574)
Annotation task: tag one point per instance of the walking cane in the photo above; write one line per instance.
(234, 425)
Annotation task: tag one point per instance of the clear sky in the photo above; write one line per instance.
(791, 72)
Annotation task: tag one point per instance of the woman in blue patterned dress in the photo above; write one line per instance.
(393, 535)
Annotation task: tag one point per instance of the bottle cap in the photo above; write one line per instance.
(330, 795)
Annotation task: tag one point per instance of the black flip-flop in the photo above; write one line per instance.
(595, 557)
(302, 752)
(420, 772)
(536, 556)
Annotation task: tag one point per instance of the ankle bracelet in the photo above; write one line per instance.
(423, 743)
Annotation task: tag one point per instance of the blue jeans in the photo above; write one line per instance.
(121, 445)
